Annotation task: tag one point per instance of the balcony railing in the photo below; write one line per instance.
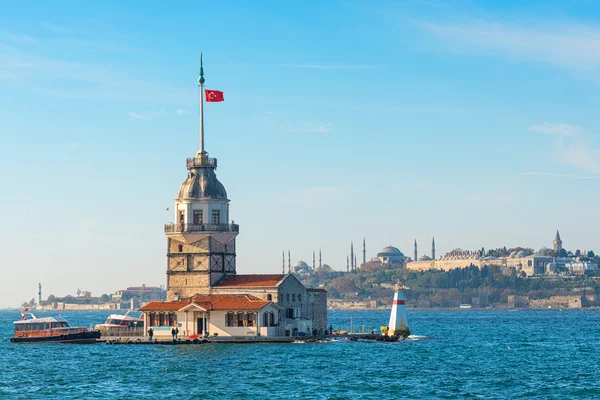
(201, 161)
(188, 228)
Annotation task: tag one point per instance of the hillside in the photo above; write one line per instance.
(487, 287)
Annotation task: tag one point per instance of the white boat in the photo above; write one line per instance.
(120, 323)
(465, 306)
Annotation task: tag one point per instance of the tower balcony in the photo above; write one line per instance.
(193, 228)
(201, 161)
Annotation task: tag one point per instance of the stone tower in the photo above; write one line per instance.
(352, 266)
(557, 243)
(201, 241)
(433, 248)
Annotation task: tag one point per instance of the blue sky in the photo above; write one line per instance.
(474, 122)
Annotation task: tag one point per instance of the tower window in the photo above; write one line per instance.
(215, 217)
(198, 217)
(181, 217)
(180, 248)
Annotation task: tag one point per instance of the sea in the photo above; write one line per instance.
(462, 354)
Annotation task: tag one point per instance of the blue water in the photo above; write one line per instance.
(461, 354)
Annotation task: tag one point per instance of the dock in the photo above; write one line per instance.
(233, 339)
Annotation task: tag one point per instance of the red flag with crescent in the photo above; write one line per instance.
(213, 96)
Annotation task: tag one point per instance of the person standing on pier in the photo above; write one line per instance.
(150, 334)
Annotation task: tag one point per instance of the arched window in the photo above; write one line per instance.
(272, 319)
(180, 248)
(288, 297)
(250, 317)
(266, 319)
(240, 319)
(229, 319)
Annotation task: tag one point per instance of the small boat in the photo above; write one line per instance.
(51, 329)
(121, 321)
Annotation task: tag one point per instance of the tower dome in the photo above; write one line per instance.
(201, 183)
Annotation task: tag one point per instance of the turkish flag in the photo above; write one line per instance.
(214, 96)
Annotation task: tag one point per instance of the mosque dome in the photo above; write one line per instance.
(390, 251)
(513, 254)
(202, 183)
(301, 268)
(391, 255)
(424, 258)
(521, 254)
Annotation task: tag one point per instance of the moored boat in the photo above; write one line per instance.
(51, 329)
(122, 325)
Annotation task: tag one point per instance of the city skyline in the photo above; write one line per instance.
(470, 123)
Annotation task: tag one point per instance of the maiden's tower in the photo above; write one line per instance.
(205, 295)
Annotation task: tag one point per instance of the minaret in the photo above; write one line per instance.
(289, 262)
(283, 262)
(320, 260)
(557, 242)
(352, 256)
(416, 254)
(347, 264)
(355, 267)
(433, 248)
(398, 317)
(313, 268)
(39, 293)
(364, 252)
(201, 241)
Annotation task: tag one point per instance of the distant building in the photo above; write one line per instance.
(557, 243)
(145, 292)
(391, 255)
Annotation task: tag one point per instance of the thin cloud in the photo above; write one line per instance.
(55, 28)
(570, 146)
(557, 175)
(580, 155)
(556, 129)
(136, 116)
(323, 66)
(181, 111)
(18, 38)
(573, 46)
(323, 128)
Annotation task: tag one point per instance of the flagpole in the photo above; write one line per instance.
(201, 87)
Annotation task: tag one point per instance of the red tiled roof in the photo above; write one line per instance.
(210, 302)
(251, 281)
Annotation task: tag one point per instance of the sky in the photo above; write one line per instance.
(474, 122)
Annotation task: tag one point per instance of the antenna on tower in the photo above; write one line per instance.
(201, 89)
